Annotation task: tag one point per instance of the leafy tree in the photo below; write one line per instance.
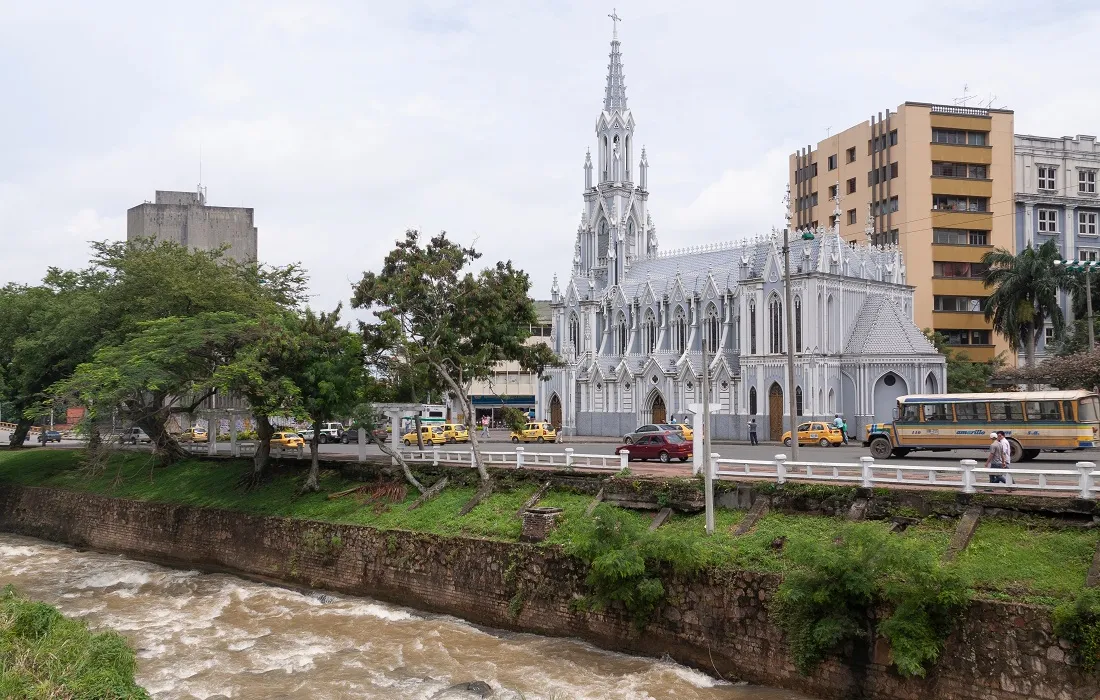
(328, 373)
(963, 374)
(1025, 294)
(1078, 371)
(514, 418)
(430, 311)
(1076, 338)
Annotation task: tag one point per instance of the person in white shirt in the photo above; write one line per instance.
(1006, 449)
(994, 459)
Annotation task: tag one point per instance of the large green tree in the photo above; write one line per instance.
(430, 310)
(963, 374)
(1025, 294)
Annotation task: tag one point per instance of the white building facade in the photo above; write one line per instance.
(630, 322)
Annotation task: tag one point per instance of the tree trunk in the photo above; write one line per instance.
(264, 431)
(155, 425)
(464, 399)
(314, 464)
(1030, 337)
(389, 452)
(419, 437)
(19, 436)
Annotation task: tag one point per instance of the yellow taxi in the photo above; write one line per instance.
(535, 432)
(287, 439)
(817, 432)
(455, 432)
(686, 431)
(195, 435)
(429, 435)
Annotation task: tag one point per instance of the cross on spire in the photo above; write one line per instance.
(615, 19)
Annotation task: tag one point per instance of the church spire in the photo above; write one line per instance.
(615, 95)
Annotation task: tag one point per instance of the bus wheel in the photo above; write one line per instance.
(1030, 455)
(1017, 452)
(881, 448)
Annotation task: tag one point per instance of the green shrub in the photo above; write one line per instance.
(625, 560)
(831, 596)
(46, 655)
(1078, 623)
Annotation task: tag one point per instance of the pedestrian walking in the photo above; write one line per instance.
(995, 459)
(752, 432)
(844, 429)
(485, 426)
(1006, 449)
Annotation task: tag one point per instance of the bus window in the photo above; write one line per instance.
(936, 413)
(1067, 411)
(970, 412)
(908, 413)
(1042, 410)
(1005, 411)
(1088, 410)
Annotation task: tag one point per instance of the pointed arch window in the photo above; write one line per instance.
(775, 325)
(602, 240)
(737, 329)
(798, 324)
(798, 400)
(631, 243)
(752, 401)
(649, 332)
(752, 328)
(574, 332)
(620, 334)
(679, 331)
(710, 328)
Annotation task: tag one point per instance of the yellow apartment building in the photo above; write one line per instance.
(934, 180)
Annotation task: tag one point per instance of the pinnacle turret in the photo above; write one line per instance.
(615, 96)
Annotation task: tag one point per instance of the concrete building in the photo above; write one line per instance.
(185, 218)
(631, 322)
(935, 180)
(510, 384)
(1057, 198)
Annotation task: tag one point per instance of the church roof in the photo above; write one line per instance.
(883, 329)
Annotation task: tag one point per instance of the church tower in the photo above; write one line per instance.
(615, 227)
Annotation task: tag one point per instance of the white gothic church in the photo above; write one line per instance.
(630, 322)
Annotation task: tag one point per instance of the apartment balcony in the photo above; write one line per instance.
(982, 220)
(960, 320)
(976, 353)
(965, 187)
(960, 287)
(959, 253)
(958, 153)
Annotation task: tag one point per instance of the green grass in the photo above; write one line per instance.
(44, 655)
(1010, 560)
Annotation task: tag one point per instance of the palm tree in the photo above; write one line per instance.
(1025, 295)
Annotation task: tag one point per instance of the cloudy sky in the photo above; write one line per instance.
(344, 123)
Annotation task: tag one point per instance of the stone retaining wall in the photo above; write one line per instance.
(715, 622)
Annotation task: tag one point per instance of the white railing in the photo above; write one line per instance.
(520, 458)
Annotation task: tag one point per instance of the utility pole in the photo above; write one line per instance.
(708, 463)
(791, 403)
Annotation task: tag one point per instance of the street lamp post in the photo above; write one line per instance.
(791, 401)
(1087, 266)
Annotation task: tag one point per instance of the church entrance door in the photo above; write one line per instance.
(555, 412)
(659, 410)
(775, 412)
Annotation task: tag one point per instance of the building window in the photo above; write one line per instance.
(798, 324)
(851, 185)
(951, 202)
(878, 175)
(885, 238)
(958, 137)
(1046, 177)
(1048, 335)
(620, 335)
(679, 331)
(574, 332)
(832, 162)
(956, 336)
(959, 269)
(952, 236)
(752, 326)
(885, 206)
(775, 325)
(752, 401)
(851, 216)
(798, 400)
(1086, 223)
(711, 328)
(833, 191)
(958, 304)
(881, 142)
(1048, 220)
(1088, 254)
(960, 170)
(851, 154)
(1086, 182)
(832, 221)
(649, 332)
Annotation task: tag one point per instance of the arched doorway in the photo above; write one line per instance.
(657, 409)
(930, 384)
(888, 388)
(555, 412)
(775, 412)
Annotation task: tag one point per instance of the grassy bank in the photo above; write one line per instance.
(1010, 560)
(46, 655)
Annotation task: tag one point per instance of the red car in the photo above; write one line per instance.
(663, 446)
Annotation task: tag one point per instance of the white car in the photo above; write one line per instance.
(133, 436)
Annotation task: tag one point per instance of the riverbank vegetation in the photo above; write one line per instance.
(44, 655)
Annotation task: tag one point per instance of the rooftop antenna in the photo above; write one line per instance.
(200, 192)
(961, 101)
(828, 131)
(989, 102)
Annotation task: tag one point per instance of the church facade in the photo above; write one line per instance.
(631, 321)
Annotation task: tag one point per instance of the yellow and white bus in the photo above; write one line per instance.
(1033, 421)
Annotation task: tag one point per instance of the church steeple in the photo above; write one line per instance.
(615, 96)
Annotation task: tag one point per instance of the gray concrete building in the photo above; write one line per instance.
(185, 218)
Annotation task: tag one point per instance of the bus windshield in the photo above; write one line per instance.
(1088, 411)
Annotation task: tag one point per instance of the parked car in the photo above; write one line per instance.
(286, 439)
(820, 433)
(454, 432)
(535, 432)
(49, 436)
(664, 446)
(195, 435)
(330, 432)
(641, 431)
(429, 435)
(134, 436)
(686, 431)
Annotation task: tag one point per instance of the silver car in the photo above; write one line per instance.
(649, 429)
